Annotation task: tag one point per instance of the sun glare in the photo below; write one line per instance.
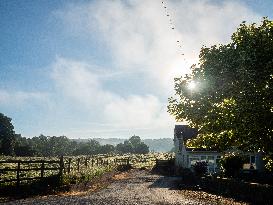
(192, 85)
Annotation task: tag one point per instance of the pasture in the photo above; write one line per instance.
(16, 171)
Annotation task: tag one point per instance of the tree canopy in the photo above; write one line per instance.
(231, 102)
(7, 135)
(133, 145)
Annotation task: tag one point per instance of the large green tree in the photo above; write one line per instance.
(139, 147)
(133, 145)
(7, 135)
(229, 94)
(24, 146)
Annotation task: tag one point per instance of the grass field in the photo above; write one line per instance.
(73, 169)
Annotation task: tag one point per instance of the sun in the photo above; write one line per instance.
(192, 85)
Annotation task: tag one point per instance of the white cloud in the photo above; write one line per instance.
(140, 38)
(76, 80)
(209, 22)
(134, 111)
(78, 83)
(20, 97)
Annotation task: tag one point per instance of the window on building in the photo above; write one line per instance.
(211, 159)
(193, 160)
(252, 159)
(203, 158)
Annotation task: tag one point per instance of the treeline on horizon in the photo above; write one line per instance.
(48, 146)
(12, 144)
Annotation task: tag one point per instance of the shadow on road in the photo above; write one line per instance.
(169, 182)
(191, 184)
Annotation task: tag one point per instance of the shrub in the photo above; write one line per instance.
(232, 165)
(200, 168)
(269, 163)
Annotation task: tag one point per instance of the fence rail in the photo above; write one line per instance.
(18, 169)
(61, 166)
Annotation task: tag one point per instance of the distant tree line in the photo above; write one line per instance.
(16, 145)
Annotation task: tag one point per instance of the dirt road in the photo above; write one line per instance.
(137, 187)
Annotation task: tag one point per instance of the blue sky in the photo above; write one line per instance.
(105, 68)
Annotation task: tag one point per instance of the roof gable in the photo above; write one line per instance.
(185, 132)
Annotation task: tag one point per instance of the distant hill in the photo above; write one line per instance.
(159, 145)
(155, 145)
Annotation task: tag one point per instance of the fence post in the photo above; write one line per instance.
(128, 161)
(18, 174)
(69, 165)
(78, 164)
(61, 166)
(42, 169)
(85, 163)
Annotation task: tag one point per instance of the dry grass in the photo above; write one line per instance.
(120, 176)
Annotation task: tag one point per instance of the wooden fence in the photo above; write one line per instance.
(85, 162)
(61, 166)
(42, 168)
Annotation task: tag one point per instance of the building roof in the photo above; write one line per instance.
(192, 149)
(185, 131)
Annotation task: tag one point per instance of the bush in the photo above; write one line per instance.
(188, 177)
(200, 168)
(232, 165)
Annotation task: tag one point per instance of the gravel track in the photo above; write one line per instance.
(138, 187)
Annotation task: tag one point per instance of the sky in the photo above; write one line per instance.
(105, 68)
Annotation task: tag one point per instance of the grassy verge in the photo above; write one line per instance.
(88, 175)
(53, 184)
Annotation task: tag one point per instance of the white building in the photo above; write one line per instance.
(186, 157)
